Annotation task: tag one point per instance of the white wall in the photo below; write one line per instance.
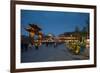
(5, 37)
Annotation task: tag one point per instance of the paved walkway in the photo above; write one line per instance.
(60, 53)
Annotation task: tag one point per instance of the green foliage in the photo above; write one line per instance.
(83, 44)
(75, 46)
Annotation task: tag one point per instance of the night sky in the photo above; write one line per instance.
(53, 21)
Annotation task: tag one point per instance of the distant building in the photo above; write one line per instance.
(69, 36)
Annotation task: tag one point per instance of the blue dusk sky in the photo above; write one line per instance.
(54, 22)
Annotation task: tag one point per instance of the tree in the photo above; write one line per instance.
(77, 33)
(85, 30)
(77, 29)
